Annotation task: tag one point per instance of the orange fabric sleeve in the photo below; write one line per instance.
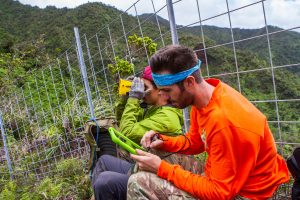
(191, 143)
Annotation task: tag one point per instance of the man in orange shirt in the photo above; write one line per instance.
(242, 158)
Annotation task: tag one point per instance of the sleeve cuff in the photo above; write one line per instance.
(167, 142)
(164, 170)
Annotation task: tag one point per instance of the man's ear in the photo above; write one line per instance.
(189, 82)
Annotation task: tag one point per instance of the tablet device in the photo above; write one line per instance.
(123, 141)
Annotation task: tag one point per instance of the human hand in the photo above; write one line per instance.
(149, 140)
(146, 161)
(137, 88)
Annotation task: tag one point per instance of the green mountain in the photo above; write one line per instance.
(20, 23)
(26, 23)
(285, 45)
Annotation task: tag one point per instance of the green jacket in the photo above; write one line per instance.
(135, 121)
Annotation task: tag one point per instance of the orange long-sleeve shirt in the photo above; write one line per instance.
(242, 157)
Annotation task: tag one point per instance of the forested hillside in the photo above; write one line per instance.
(285, 45)
(19, 23)
(32, 38)
(22, 23)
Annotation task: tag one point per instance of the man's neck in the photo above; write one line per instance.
(203, 94)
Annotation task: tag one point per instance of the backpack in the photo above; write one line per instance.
(97, 135)
(293, 163)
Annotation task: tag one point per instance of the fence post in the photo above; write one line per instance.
(172, 22)
(175, 41)
(83, 71)
(5, 148)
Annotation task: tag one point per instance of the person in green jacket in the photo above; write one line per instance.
(144, 110)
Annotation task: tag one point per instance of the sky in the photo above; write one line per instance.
(282, 13)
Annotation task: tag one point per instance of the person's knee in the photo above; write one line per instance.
(105, 157)
(104, 181)
(99, 168)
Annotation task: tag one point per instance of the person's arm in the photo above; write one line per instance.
(225, 178)
(120, 107)
(191, 143)
(164, 121)
(130, 117)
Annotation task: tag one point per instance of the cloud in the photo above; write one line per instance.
(282, 13)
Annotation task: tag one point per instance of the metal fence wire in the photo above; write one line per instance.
(41, 124)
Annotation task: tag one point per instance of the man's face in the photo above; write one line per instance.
(177, 96)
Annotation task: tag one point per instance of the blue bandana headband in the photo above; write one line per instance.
(170, 79)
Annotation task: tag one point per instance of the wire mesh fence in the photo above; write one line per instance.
(42, 122)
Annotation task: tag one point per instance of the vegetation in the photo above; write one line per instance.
(138, 43)
(122, 67)
(69, 182)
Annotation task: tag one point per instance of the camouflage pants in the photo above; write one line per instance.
(146, 185)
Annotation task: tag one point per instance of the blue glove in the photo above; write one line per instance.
(137, 88)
